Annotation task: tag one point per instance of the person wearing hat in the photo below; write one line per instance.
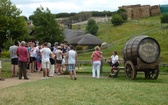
(49, 45)
(55, 46)
(58, 55)
(96, 62)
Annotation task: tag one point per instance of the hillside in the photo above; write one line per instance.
(119, 35)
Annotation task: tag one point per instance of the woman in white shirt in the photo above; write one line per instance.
(114, 61)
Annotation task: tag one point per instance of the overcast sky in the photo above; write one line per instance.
(58, 6)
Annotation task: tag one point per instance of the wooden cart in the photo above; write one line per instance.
(141, 53)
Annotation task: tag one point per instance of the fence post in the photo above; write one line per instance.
(101, 67)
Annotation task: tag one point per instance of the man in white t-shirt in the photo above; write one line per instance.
(45, 54)
(14, 59)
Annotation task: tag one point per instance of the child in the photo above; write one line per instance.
(39, 66)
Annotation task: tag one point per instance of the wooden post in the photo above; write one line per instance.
(101, 67)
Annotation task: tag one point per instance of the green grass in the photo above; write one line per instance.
(88, 91)
(6, 69)
(153, 19)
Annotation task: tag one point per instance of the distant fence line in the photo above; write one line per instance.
(147, 23)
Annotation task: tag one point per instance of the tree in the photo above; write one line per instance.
(164, 18)
(92, 27)
(12, 26)
(123, 14)
(46, 27)
(25, 18)
(116, 20)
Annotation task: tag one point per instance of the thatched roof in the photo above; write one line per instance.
(90, 39)
(68, 33)
(75, 40)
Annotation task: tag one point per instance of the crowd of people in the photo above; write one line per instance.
(48, 59)
(32, 57)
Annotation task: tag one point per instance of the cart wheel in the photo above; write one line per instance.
(130, 70)
(152, 74)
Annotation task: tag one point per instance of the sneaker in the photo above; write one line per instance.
(43, 78)
(26, 78)
(2, 79)
(46, 77)
(75, 78)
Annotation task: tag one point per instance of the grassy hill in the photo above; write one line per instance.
(121, 34)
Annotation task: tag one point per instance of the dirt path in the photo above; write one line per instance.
(33, 77)
(15, 81)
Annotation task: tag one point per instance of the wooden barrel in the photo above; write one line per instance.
(143, 47)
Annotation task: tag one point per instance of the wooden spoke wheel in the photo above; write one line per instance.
(152, 74)
(130, 70)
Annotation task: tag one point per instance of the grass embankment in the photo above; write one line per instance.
(121, 34)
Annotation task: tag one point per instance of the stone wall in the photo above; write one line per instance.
(145, 11)
(155, 10)
(138, 11)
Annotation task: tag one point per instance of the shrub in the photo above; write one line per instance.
(5, 54)
(78, 48)
(123, 14)
(116, 20)
(7, 44)
(164, 18)
(92, 27)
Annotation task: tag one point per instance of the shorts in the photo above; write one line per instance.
(115, 64)
(0, 65)
(46, 65)
(59, 61)
(71, 67)
(32, 59)
(14, 61)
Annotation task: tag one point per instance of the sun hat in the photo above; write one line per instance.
(59, 47)
(56, 43)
